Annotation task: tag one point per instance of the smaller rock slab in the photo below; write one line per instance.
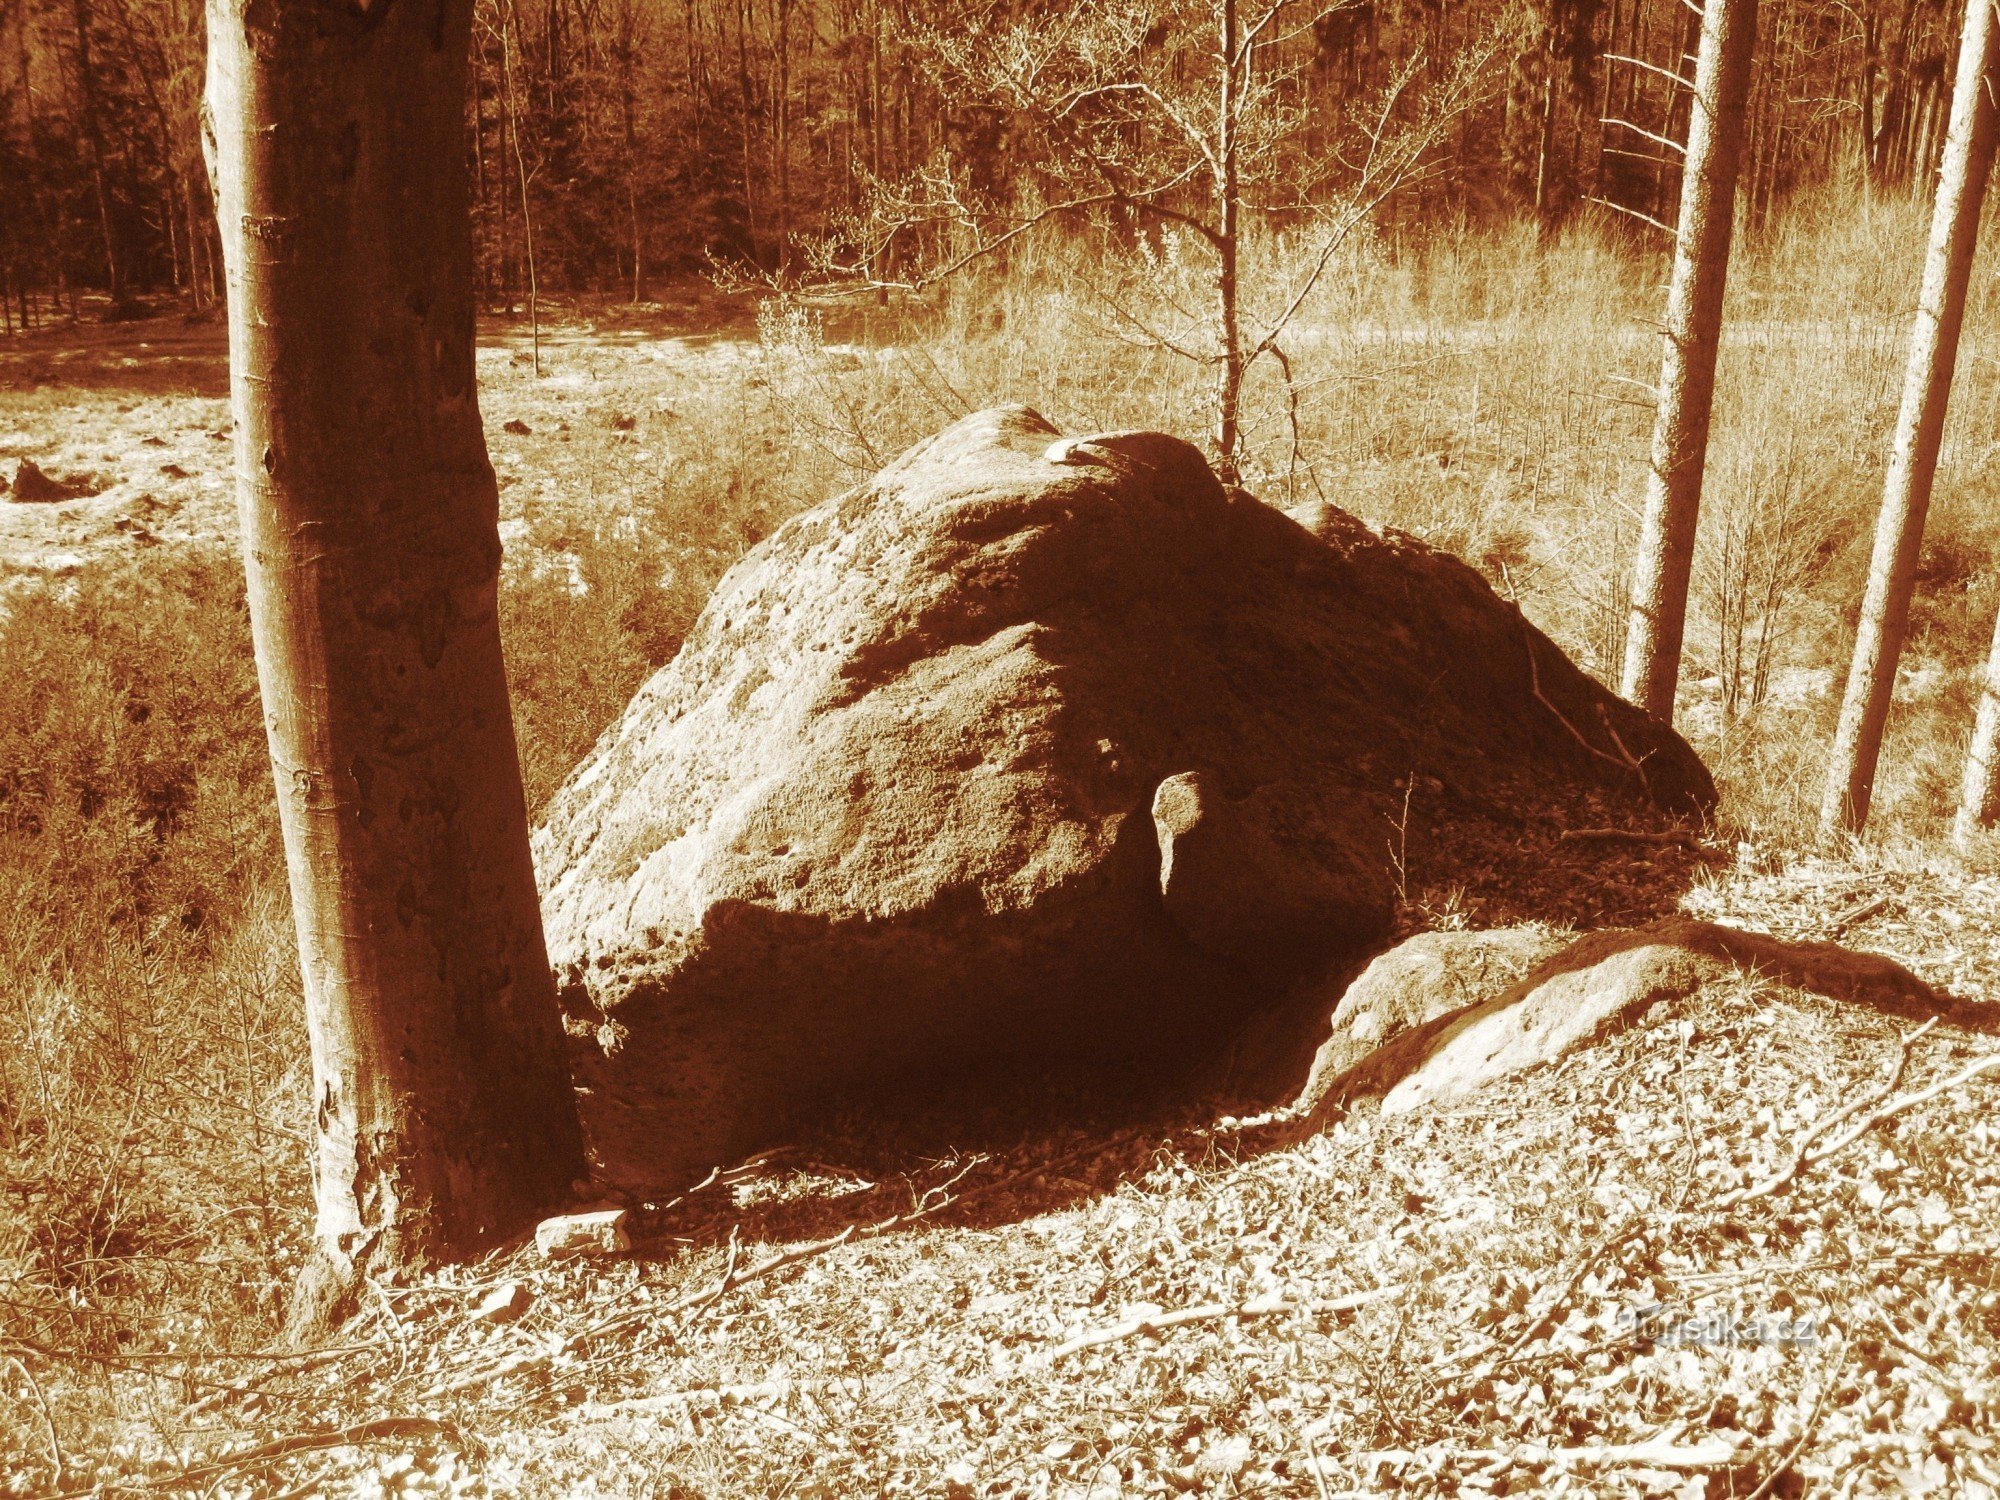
(603, 1231)
(1430, 975)
(1603, 980)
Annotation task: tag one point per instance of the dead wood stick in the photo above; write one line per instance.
(1903, 1105)
(1854, 916)
(1535, 686)
(1632, 1228)
(934, 1200)
(1655, 1453)
(1208, 1312)
(56, 1455)
(380, 1429)
(1674, 836)
(1770, 1480)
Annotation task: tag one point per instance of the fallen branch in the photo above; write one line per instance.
(1854, 916)
(1770, 1480)
(1807, 1155)
(56, 1454)
(1535, 686)
(934, 1200)
(1655, 1453)
(1676, 836)
(1208, 1312)
(381, 1429)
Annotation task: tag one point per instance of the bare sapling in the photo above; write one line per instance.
(1906, 492)
(1160, 128)
(1693, 332)
(442, 1114)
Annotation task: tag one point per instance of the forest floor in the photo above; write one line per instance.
(1538, 1291)
(1063, 1294)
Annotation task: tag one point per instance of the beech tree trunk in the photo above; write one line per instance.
(443, 1116)
(1906, 491)
(1979, 791)
(1687, 368)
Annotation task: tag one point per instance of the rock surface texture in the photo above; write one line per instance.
(1602, 980)
(1037, 748)
(1432, 974)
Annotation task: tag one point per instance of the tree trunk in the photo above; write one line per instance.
(1979, 792)
(93, 138)
(442, 1111)
(1687, 370)
(1906, 491)
(1228, 289)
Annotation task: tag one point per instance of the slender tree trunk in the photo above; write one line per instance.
(744, 103)
(627, 64)
(1979, 791)
(781, 135)
(442, 1111)
(1228, 288)
(1906, 491)
(507, 21)
(1546, 135)
(93, 138)
(1687, 370)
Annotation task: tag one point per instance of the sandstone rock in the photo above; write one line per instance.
(504, 1303)
(1603, 980)
(601, 1231)
(33, 487)
(1432, 974)
(1035, 748)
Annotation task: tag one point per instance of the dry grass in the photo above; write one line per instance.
(1476, 390)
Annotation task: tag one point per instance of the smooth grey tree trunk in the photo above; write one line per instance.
(1906, 492)
(1979, 791)
(442, 1112)
(1665, 555)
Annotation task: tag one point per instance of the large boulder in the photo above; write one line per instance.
(1035, 747)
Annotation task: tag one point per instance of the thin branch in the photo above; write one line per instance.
(1659, 140)
(1209, 1312)
(1640, 62)
(1643, 218)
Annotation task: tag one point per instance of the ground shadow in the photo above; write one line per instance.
(976, 1151)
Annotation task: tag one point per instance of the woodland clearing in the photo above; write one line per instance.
(154, 1066)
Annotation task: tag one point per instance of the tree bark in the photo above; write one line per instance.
(443, 1117)
(1979, 791)
(1906, 491)
(1687, 369)
(1228, 289)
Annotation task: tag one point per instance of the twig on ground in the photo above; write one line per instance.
(1855, 916)
(1208, 1312)
(1633, 1227)
(1660, 1452)
(1676, 837)
(1792, 1453)
(381, 1429)
(1808, 1156)
(56, 1455)
(933, 1201)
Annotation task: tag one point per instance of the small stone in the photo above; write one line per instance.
(504, 1303)
(33, 487)
(600, 1232)
(517, 427)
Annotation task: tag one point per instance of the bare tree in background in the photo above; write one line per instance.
(1906, 492)
(1161, 123)
(1687, 367)
(442, 1110)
